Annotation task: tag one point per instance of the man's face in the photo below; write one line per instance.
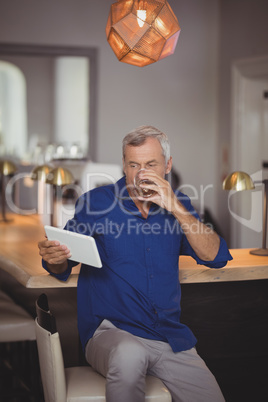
(146, 156)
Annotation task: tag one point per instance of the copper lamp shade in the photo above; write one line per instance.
(141, 32)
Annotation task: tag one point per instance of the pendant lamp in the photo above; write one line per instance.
(141, 32)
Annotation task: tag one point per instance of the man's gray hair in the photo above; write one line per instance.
(139, 136)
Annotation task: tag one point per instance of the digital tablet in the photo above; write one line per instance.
(83, 248)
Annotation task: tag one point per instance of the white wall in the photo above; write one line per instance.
(243, 35)
(178, 94)
(187, 95)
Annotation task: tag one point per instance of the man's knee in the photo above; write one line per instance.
(128, 360)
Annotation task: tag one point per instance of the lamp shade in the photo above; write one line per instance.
(59, 177)
(238, 181)
(40, 172)
(141, 32)
(7, 167)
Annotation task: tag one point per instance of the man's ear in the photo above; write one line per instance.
(169, 165)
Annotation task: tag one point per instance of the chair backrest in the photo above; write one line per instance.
(50, 353)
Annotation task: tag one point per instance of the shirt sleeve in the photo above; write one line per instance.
(223, 255)
(219, 261)
(64, 275)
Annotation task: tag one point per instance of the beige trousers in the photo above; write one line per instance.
(125, 359)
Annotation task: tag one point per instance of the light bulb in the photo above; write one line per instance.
(141, 17)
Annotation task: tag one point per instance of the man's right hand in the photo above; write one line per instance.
(54, 254)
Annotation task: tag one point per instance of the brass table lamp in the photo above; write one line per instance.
(7, 168)
(39, 174)
(239, 181)
(58, 177)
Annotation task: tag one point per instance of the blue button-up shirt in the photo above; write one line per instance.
(138, 287)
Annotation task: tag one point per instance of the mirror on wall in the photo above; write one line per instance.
(47, 102)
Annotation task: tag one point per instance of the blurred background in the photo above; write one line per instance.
(208, 97)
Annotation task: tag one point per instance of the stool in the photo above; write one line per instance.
(80, 383)
(17, 332)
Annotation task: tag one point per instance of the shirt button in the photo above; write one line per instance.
(148, 249)
(151, 276)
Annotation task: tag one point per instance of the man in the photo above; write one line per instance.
(129, 311)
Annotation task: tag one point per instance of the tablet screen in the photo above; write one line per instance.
(83, 248)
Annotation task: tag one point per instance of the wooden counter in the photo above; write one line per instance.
(19, 256)
(19, 253)
(227, 309)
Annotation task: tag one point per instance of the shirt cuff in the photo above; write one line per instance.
(221, 258)
(63, 276)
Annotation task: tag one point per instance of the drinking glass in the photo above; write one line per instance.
(143, 192)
